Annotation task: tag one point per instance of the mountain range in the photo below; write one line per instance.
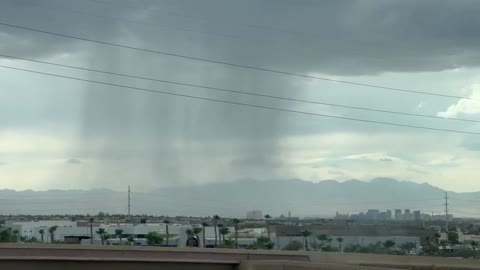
(300, 198)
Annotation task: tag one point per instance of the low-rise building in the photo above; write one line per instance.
(255, 214)
(356, 234)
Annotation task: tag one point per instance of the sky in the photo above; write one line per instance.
(57, 133)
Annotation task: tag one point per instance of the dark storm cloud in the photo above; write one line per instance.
(50, 15)
(169, 128)
(336, 37)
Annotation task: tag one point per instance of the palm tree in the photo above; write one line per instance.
(196, 232)
(130, 240)
(118, 234)
(474, 247)
(41, 232)
(322, 238)
(15, 235)
(235, 222)
(340, 240)
(216, 218)
(52, 230)
(306, 234)
(106, 237)
(153, 239)
(389, 244)
(166, 229)
(102, 232)
(267, 218)
(189, 233)
(224, 231)
(204, 225)
(220, 226)
(329, 241)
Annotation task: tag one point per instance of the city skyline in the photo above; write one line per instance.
(300, 198)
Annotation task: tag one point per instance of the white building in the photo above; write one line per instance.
(27, 229)
(79, 232)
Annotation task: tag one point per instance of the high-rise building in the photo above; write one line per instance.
(255, 214)
(417, 215)
(389, 214)
(398, 214)
(408, 215)
(372, 214)
(339, 216)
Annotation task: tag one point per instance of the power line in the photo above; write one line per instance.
(235, 65)
(243, 104)
(162, 13)
(237, 91)
(173, 14)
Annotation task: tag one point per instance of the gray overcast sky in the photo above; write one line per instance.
(57, 133)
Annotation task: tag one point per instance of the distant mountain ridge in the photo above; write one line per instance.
(301, 198)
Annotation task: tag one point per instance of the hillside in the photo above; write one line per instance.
(302, 198)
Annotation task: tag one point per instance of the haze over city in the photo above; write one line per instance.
(239, 134)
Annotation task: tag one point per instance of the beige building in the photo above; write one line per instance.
(462, 238)
(255, 214)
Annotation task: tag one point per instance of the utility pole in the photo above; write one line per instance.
(446, 211)
(129, 217)
(91, 231)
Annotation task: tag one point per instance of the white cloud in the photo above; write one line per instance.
(437, 158)
(344, 156)
(372, 157)
(465, 106)
(37, 161)
(31, 143)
